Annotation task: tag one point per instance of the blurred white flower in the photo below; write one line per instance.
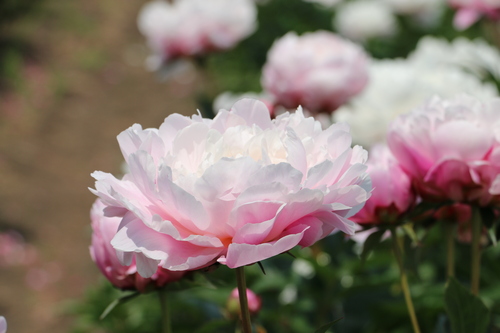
(475, 56)
(408, 7)
(193, 27)
(425, 13)
(398, 86)
(362, 20)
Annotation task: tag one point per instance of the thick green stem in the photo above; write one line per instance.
(242, 291)
(404, 281)
(166, 326)
(476, 251)
(449, 229)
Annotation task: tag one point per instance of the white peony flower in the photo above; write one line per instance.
(475, 56)
(193, 27)
(398, 86)
(362, 20)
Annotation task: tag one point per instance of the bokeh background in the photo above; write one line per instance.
(72, 77)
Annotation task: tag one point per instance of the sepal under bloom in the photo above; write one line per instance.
(107, 259)
(236, 189)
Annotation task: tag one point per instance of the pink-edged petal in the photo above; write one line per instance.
(146, 266)
(255, 212)
(245, 254)
(295, 151)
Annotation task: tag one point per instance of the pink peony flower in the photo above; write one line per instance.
(106, 257)
(449, 148)
(3, 324)
(392, 193)
(319, 71)
(194, 27)
(236, 189)
(470, 11)
(254, 302)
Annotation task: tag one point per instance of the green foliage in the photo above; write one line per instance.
(466, 312)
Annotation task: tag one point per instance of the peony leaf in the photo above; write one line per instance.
(325, 327)
(466, 312)
(116, 302)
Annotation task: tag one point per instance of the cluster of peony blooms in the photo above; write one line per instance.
(470, 11)
(235, 190)
(319, 71)
(194, 27)
(399, 85)
(446, 150)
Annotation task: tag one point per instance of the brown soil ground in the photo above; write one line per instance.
(83, 85)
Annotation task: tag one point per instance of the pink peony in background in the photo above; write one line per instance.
(450, 148)
(470, 11)
(319, 71)
(193, 27)
(237, 189)
(392, 193)
(106, 257)
(254, 302)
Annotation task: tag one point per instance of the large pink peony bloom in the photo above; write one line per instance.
(469, 11)
(319, 71)
(106, 257)
(450, 149)
(392, 193)
(236, 189)
(194, 27)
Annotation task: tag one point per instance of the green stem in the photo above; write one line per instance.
(449, 229)
(242, 291)
(166, 325)
(404, 281)
(476, 251)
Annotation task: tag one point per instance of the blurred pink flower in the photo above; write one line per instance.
(194, 27)
(106, 257)
(236, 189)
(319, 71)
(470, 11)
(15, 251)
(254, 302)
(3, 324)
(392, 193)
(450, 148)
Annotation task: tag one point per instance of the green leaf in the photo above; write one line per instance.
(466, 312)
(371, 243)
(116, 302)
(325, 327)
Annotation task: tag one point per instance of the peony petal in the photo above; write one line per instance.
(245, 254)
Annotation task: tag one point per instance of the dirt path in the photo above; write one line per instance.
(85, 85)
